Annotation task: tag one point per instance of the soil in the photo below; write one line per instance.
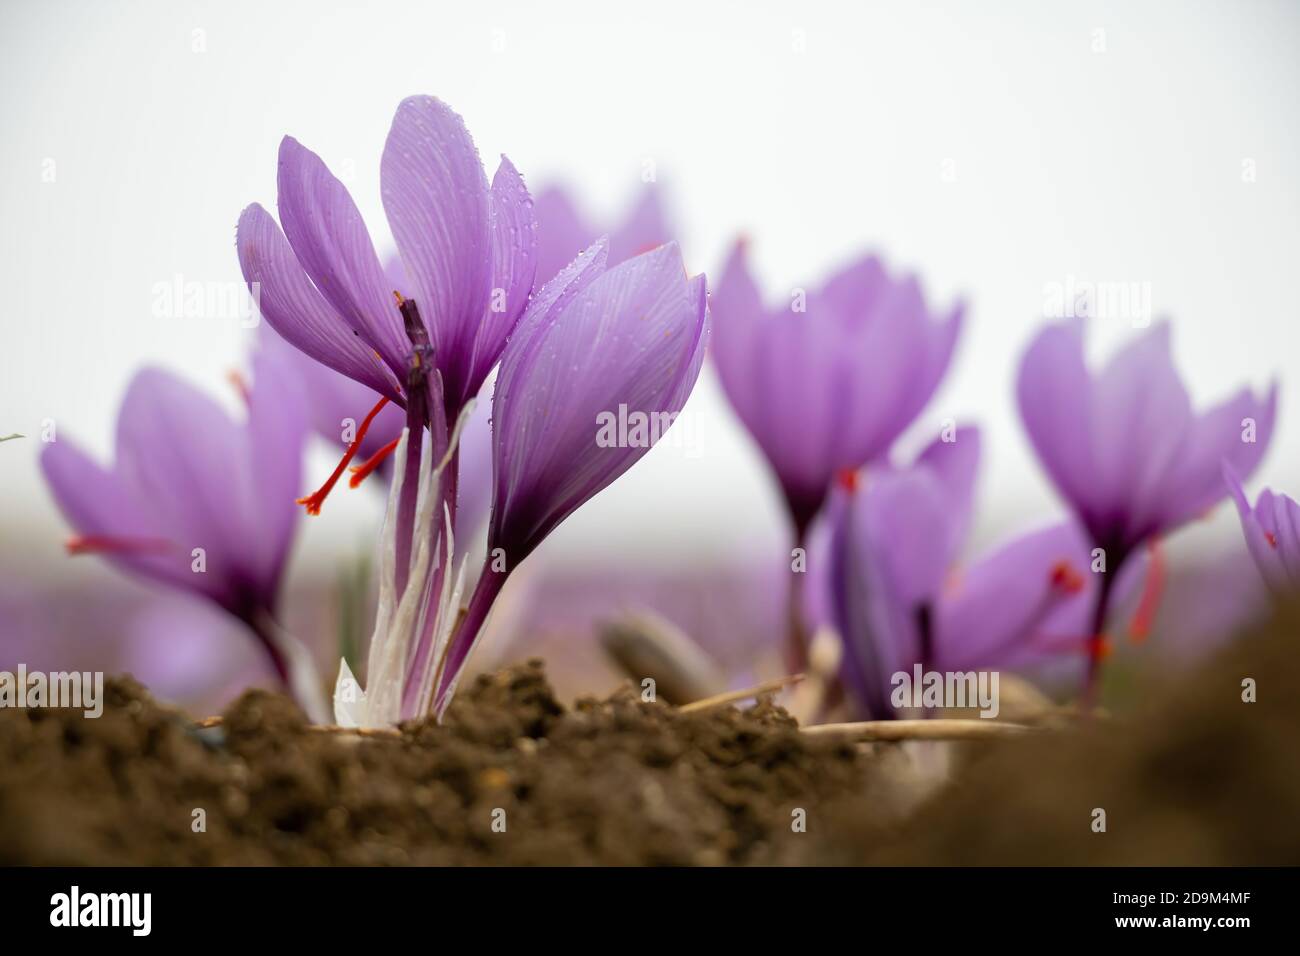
(616, 781)
(1194, 775)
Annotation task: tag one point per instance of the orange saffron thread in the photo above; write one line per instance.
(362, 471)
(313, 501)
(1152, 590)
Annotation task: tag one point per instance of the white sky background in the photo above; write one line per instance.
(1124, 165)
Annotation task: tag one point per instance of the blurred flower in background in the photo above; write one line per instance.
(827, 381)
(563, 230)
(1272, 530)
(1125, 449)
(199, 502)
(182, 649)
(900, 598)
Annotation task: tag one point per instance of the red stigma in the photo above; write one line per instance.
(114, 544)
(1271, 538)
(1066, 578)
(362, 471)
(1152, 589)
(314, 500)
(847, 479)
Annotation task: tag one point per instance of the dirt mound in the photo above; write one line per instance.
(511, 777)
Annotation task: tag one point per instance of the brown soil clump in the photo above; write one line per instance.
(609, 782)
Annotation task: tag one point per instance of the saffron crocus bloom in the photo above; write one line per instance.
(467, 250)
(1125, 449)
(467, 253)
(898, 598)
(563, 231)
(826, 381)
(198, 501)
(594, 341)
(1272, 530)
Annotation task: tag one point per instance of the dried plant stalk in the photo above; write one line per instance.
(732, 696)
(898, 730)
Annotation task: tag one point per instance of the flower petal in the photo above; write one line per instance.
(1141, 417)
(909, 516)
(331, 241)
(1236, 431)
(1027, 599)
(627, 344)
(955, 464)
(277, 430)
(296, 310)
(514, 255)
(1286, 524)
(177, 450)
(436, 196)
(561, 232)
(1053, 391)
(738, 314)
(940, 344)
(644, 228)
(878, 629)
(97, 503)
(1257, 524)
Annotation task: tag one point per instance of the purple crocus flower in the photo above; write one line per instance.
(424, 336)
(898, 600)
(597, 344)
(1272, 530)
(467, 250)
(563, 231)
(198, 501)
(1125, 449)
(828, 381)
